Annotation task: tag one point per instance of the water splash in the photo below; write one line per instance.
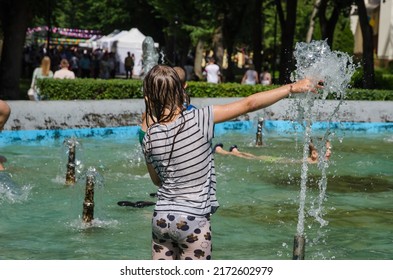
(79, 225)
(317, 62)
(95, 175)
(317, 208)
(10, 191)
(162, 54)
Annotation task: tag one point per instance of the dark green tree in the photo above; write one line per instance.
(234, 26)
(328, 24)
(185, 27)
(368, 46)
(14, 17)
(288, 25)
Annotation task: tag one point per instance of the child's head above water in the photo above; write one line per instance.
(313, 151)
(163, 93)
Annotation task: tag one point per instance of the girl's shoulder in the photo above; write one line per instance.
(191, 109)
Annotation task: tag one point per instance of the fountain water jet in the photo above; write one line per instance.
(162, 57)
(317, 62)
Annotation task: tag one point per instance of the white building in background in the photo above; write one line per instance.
(380, 14)
(385, 33)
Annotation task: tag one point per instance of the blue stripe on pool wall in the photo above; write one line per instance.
(287, 126)
(220, 129)
(291, 127)
(60, 134)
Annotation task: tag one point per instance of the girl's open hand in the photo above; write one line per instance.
(305, 85)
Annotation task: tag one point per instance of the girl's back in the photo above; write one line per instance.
(180, 152)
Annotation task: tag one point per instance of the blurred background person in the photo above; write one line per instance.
(85, 65)
(129, 65)
(250, 76)
(41, 72)
(212, 72)
(266, 78)
(64, 72)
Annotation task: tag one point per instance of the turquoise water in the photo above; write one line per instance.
(41, 216)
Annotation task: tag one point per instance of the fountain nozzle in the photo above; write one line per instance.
(259, 133)
(299, 243)
(70, 175)
(88, 204)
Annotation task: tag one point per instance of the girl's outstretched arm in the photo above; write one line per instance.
(260, 100)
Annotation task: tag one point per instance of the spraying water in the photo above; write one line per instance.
(162, 54)
(317, 62)
(10, 191)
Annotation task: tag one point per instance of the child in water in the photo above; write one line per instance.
(5, 112)
(313, 156)
(179, 156)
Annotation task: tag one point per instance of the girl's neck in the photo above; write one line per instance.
(173, 118)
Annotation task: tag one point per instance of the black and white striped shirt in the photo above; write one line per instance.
(181, 153)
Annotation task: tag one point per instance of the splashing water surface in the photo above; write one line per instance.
(317, 62)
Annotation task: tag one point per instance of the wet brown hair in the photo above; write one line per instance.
(162, 90)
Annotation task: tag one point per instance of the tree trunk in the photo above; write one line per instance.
(14, 16)
(287, 39)
(328, 25)
(230, 20)
(257, 35)
(368, 46)
(311, 25)
(218, 46)
(198, 59)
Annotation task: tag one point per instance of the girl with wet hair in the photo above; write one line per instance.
(164, 94)
(179, 156)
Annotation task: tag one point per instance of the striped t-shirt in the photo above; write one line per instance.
(181, 153)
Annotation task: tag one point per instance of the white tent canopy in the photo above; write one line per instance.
(122, 42)
(91, 43)
(108, 42)
(131, 42)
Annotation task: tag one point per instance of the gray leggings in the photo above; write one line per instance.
(181, 237)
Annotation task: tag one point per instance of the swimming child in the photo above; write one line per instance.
(2, 161)
(234, 151)
(5, 112)
(313, 156)
(180, 160)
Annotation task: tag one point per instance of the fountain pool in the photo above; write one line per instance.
(41, 216)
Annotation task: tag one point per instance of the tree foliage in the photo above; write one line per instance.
(266, 28)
